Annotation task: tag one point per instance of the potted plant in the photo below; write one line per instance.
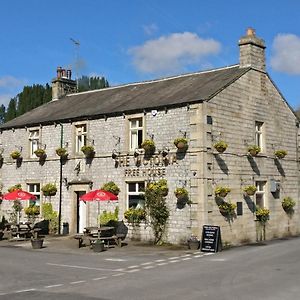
(160, 186)
(62, 152)
(36, 243)
(222, 191)
(88, 150)
(288, 204)
(135, 215)
(262, 214)
(111, 187)
(227, 208)
(98, 245)
(253, 150)
(193, 242)
(220, 146)
(40, 153)
(280, 153)
(181, 194)
(181, 143)
(49, 189)
(250, 190)
(15, 154)
(148, 146)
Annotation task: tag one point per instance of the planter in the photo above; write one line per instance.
(98, 246)
(194, 245)
(181, 145)
(37, 244)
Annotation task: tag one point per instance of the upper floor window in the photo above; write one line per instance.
(34, 188)
(260, 197)
(80, 137)
(135, 192)
(135, 133)
(34, 140)
(259, 134)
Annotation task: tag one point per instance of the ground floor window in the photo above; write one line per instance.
(34, 188)
(260, 196)
(135, 194)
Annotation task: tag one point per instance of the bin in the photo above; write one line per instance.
(65, 228)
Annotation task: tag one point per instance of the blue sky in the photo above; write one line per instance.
(135, 40)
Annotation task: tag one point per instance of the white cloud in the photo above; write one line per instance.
(5, 98)
(286, 54)
(10, 82)
(150, 29)
(172, 53)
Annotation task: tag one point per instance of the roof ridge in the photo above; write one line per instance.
(155, 80)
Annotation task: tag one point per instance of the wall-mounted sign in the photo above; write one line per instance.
(145, 172)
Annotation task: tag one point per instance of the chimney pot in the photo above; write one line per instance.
(58, 72)
(250, 31)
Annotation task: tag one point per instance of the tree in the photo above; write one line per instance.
(11, 110)
(86, 83)
(2, 114)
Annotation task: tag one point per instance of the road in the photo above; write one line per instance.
(269, 271)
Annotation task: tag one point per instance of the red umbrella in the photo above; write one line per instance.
(99, 195)
(19, 195)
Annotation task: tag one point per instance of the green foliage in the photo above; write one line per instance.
(250, 189)
(157, 210)
(105, 217)
(288, 204)
(222, 191)
(227, 208)
(62, 152)
(50, 215)
(32, 211)
(86, 83)
(40, 152)
(280, 153)
(49, 189)
(262, 214)
(220, 146)
(181, 142)
(15, 187)
(148, 146)
(254, 149)
(135, 215)
(15, 154)
(88, 150)
(161, 186)
(111, 187)
(181, 193)
(17, 206)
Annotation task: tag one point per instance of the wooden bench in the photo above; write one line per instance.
(88, 240)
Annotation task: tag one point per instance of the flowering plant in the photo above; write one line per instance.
(262, 214)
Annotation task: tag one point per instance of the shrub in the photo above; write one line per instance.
(49, 189)
(135, 215)
(111, 187)
(105, 217)
(15, 187)
(50, 215)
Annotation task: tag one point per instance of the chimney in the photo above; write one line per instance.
(63, 84)
(252, 51)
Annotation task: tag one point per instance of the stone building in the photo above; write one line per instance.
(239, 104)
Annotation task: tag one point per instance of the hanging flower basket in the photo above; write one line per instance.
(62, 152)
(88, 151)
(253, 150)
(227, 208)
(40, 153)
(250, 190)
(15, 154)
(280, 153)
(49, 189)
(220, 146)
(181, 194)
(181, 143)
(262, 215)
(222, 191)
(148, 146)
(288, 204)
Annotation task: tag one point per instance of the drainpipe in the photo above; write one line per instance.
(60, 179)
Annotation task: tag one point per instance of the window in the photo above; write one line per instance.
(135, 191)
(260, 200)
(34, 188)
(259, 134)
(34, 140)
(135, 133)
(80, 137)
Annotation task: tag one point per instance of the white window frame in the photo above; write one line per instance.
(259, 135)
(260, 194)
(136, 133)
(34, 141)
(135, 193)
(35, 189)
(80, 136)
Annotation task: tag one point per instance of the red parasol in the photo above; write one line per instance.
(19, 195)
(99, 195)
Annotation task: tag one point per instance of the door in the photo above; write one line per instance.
(81, 213)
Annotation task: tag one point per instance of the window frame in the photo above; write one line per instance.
(138, 130)
(261, 186)
(80, 138)
(36, 191)
(134, 193)
(259, 135)
(34, 141)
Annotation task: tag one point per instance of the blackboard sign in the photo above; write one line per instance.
(211, 239)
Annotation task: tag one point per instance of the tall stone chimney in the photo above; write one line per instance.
(63, 84)
(252, 51)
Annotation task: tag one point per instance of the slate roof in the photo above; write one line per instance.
(172, 91)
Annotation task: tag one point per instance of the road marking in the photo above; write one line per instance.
(118, 274)
(80, 267)
(133, 267)
(115, 259)
(186, 255)
(99, 278)
(174, 257)
(133, 270)
(148, 267)
(52, 286)
(174, 261)
(162, 264)
(147, 263)
(197, 256)
(76, 282)
(160, 260)
(186, 258)
(23, 291)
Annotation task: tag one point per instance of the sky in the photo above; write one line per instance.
(135, 40)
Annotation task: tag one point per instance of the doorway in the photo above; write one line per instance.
(81, 213)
